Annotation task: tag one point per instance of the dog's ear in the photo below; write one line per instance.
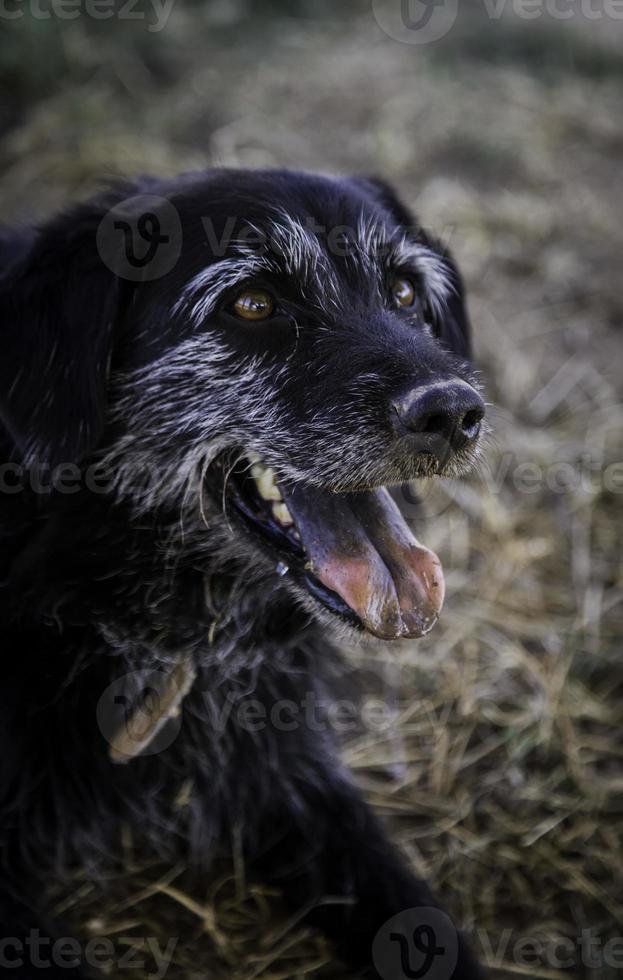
(58, 308)
(452, 326)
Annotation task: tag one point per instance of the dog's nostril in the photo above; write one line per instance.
(470, 424)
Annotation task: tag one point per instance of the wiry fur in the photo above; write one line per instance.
(96, 586)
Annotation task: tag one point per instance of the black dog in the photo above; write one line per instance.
(205, 387)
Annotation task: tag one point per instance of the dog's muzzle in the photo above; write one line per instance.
(353, 551)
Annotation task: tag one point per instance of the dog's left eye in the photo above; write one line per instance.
(254, 304)
(403, 292)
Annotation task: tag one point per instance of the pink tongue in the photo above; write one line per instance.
(360, 547)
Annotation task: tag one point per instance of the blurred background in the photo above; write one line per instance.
(500, 123)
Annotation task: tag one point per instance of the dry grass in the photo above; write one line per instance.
(502, 774)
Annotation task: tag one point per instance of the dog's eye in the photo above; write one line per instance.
(403, 292)
(254, 304)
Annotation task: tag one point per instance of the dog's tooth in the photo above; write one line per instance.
(282, 514)
(254, 457)
(266, 484)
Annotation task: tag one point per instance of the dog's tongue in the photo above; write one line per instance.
(360, 547)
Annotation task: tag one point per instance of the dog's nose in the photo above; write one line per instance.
(441, 416)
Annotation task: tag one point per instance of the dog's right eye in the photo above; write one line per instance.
(254, 304)
(403, 292)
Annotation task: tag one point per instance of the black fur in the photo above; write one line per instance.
(97, 585)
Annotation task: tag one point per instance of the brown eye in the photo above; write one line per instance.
(254, 304)
(403, 292)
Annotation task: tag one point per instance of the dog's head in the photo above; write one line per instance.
(308, 347)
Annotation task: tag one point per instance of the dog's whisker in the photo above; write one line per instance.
(224, 497)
